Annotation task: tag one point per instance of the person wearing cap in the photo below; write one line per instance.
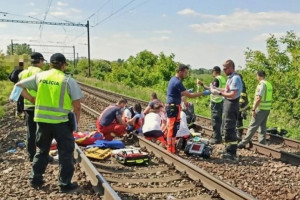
(174, 93)
(261, 109)
(216, 104)
(56, 94)
(37, 62)
(231, 94)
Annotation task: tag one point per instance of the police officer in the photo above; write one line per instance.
(173, 109)
(231, 95)
(260, 111)
(216, 104)
(37, 62)
(56, 94)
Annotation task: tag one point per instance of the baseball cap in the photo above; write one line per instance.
(37, 56)
(216, 68)
(58, 58)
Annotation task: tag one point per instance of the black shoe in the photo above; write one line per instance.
(250, 144)
(241, 146)
(36, 184)
(68, 188)
(229, 156)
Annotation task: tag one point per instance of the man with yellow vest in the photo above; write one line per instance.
(56, 94)
(261, 110)
(216, 104)
(37, 62)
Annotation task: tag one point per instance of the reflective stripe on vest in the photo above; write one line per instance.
(53, 102)
(222, 84)
(25, 74)
(266, 99)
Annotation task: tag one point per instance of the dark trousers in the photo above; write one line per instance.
(230, 110)
(20, 104)
(31, 133)
(62, 133)
(216, 119)
(239, 126)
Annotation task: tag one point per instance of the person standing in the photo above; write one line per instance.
(231, 95)
(173, 109)
(243, 110)
(14, 77)
(37, 62)
(56, 94)
(216, 104)
(260, 111)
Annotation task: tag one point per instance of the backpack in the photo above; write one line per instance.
(14, 75)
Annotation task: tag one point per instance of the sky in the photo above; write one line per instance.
(201, 33)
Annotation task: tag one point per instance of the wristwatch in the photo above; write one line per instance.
(220, 93)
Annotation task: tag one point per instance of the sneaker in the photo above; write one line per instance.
(213, 141)
(68, 188)
(228, 156)
(241, 146)
(36, 184)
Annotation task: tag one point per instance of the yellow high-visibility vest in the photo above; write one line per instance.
(222, 84)
(266, 99)
(32, 70)
(53, 102)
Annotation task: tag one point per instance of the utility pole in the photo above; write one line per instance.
(74, 58)
(87, 25)
(12, 47)
(88, 36)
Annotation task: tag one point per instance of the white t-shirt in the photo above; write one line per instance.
(183, 129)
(127, 114)
(152, 122)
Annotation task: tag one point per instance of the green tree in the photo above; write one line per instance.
(19, 49)
(282, 66)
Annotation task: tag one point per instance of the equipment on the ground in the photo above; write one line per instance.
(198, 147)
(132, 157)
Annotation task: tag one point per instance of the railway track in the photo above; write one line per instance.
(287, 150)
(167, 176)
(257, 174)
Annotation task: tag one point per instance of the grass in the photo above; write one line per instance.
(6, 87)
(201, 104)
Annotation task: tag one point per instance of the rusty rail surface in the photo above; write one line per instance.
(206, 123)
(210, 182)
(100, 185)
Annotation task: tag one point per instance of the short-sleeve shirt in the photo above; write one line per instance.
(109, 115)
(73, 89)
(234, 82)
(260, 89)
(216, 82)
(152, 122)
(175, 87)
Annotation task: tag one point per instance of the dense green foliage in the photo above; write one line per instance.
(19, 49)
(6, 87)
(282, 66)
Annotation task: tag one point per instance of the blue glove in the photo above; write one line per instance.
(206, 92)
(190, 90)
(137, 116)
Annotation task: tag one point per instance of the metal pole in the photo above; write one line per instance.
(89, 57)
(77, 59)
(12, 47)
(74, 58)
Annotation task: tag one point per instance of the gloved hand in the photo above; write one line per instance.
(214, 91)
(137, 116)
(190, 90)
(206, 92)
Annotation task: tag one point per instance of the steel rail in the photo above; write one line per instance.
(210, 182)
(265, 150)
(204, 121)
(99, 184)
